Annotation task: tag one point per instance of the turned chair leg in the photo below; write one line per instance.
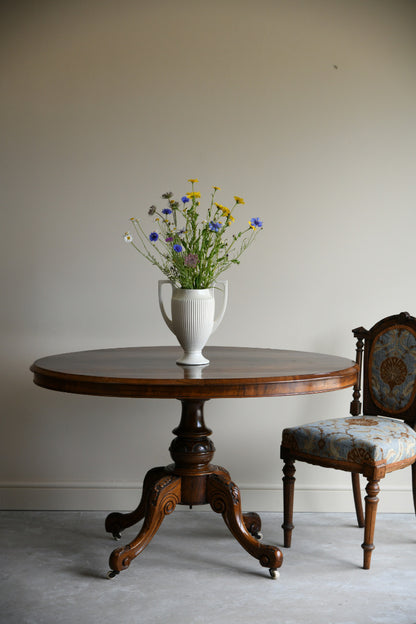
(288, 495)
(371, 502)
(414, 484)
(356, 490)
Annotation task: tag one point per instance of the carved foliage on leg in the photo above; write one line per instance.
(224, 498)
(161, 500)
(223, 472)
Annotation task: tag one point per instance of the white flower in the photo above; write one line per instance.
(128, 237)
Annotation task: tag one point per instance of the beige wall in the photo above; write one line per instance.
(306, 108)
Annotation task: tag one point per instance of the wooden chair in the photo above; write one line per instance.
(381, 440)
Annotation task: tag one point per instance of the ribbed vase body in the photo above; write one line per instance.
(193, 321)
(194, 318)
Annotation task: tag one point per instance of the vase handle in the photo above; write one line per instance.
(220, 315)
(167, 320)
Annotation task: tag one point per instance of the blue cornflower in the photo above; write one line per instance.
(215, 227)
(185, 199)
(177, 248)
(153, 236)
(167, 211)
(255, 223)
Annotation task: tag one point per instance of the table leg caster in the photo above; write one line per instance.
(112, 574)
(274, 573)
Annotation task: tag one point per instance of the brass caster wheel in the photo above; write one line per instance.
(274, 573)
(112, 574)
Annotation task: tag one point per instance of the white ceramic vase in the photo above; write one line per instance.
(193, 318)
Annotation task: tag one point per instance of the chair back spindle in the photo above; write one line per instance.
(355, 407)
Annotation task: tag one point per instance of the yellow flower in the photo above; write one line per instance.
(216, 188)
(226, 212)
(193, 195)
(239, 200)
(193, 180)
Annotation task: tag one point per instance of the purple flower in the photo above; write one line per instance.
(185, 199)
(191, 260)
(177, 248)
(215, 227)
(167, 211)
(153, 236)
(169, 239)
(256, 223)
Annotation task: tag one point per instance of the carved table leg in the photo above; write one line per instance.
(251, 519)
(116, 522)
(190, 480)
(224, 497)
(160, 499)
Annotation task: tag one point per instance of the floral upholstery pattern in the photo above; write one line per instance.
(393, 369)
(371, 440)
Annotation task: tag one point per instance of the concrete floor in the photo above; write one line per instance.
(53, 569)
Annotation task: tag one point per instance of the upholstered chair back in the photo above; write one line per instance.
(389, 373)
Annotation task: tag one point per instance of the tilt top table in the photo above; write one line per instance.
(151, 372)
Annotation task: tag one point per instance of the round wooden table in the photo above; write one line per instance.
(151, 372)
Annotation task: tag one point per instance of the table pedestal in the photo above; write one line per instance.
(190, 480)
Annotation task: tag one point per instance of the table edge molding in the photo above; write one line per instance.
(192, 388)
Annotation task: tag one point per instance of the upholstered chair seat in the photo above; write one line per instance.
(373, 441)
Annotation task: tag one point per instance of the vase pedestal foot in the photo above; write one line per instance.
(192, 359)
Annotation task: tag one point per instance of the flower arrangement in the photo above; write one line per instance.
(191, 252)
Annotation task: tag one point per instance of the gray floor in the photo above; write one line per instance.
(54, 564)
